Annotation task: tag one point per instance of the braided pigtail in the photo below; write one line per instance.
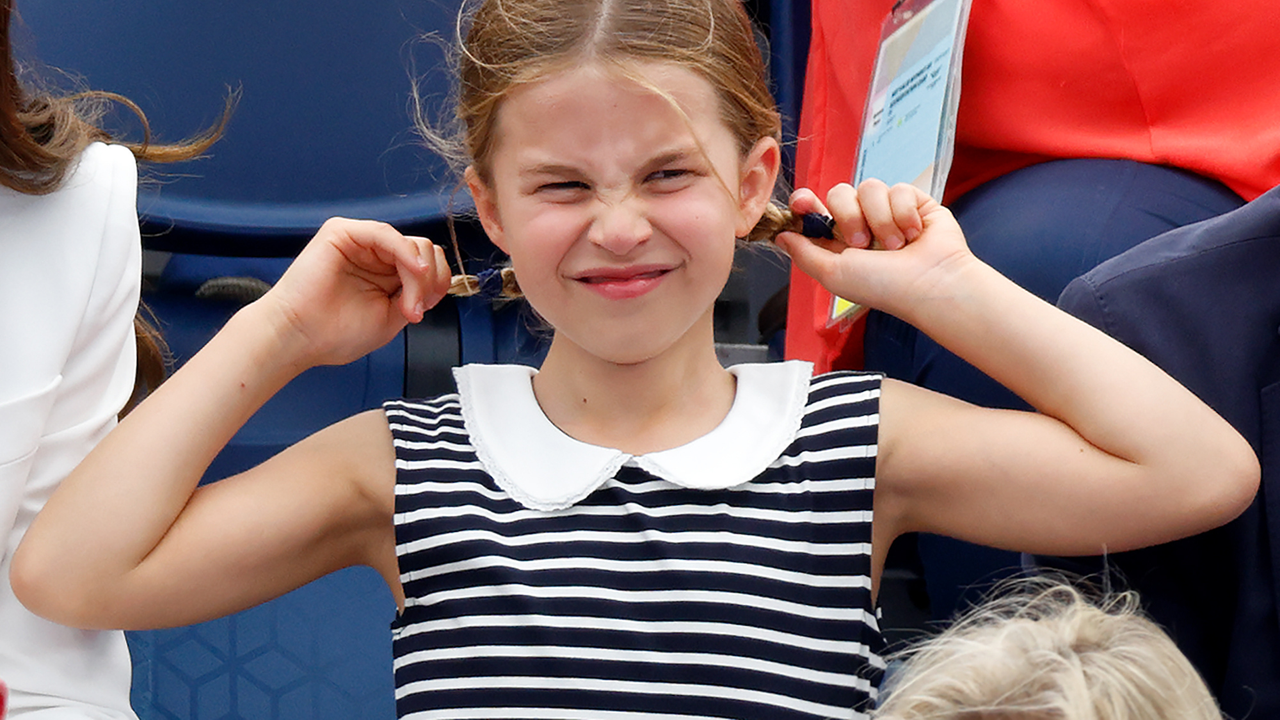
(493, 283)
(777, 218)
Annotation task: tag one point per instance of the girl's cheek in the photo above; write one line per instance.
(705, 215)
(547, 217)
(683, 207)
(548, 224)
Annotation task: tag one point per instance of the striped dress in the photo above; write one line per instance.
(643, 596)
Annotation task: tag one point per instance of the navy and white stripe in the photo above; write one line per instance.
(645, 599)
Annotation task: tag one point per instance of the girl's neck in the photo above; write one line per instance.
(638, 408)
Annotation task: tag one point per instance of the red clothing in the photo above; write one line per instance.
(1187, 83)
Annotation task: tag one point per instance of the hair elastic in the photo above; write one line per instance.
(817, 225)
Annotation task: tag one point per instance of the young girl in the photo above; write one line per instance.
(631, 530)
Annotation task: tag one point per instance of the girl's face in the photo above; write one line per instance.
(618, 211)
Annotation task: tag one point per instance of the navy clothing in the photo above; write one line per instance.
(1041, 226)
(1203, 302)
(642, 596)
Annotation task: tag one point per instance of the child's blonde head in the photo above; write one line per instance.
(1046, 652)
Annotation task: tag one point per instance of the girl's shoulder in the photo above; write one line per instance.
(856, 385)
(866, 377)
(842, 409)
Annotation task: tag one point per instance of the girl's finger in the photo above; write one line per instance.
(787, 239)
(814, 221)
(383, 237)
(873, 196)
(815, 258)
(904, 203)
(444, 275)
(436, 277)
(804, 201)
(849, 215)
(371, 246)
(417, 277)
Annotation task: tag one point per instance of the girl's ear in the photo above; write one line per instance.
(755, 189)
(486, 207)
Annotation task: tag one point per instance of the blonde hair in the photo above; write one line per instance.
(1045, 651)
(506, 44)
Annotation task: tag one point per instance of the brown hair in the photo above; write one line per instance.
(1043, 649)
(41, 137)
(510, 43)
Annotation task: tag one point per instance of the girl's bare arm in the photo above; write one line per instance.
(129, 541)
(1119, 455)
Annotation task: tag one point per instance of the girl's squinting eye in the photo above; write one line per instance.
(669, 174)
(563, 191)
(671, 180)
(566, 185)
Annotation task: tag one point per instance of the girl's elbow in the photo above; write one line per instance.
(46, 592)
(1241, 476)
(31, 585)
(1224, 482)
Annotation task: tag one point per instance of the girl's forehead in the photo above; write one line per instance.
(651, 83)
(644, 104)
(653, 88)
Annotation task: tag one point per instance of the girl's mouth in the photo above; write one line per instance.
(623, 283)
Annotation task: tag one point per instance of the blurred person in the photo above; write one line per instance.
(76, 353)
(1203, 302)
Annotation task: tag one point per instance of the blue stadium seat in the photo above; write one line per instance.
(323, 123)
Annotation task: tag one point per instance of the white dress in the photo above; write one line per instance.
(70, 274)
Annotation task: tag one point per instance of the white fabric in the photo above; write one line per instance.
(70, 272)
(545, 469)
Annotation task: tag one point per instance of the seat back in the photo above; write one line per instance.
(322, 126)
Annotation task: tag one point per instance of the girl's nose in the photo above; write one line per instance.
(619, 227)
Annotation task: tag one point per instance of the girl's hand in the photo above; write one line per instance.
(923, 240)
(354, 286)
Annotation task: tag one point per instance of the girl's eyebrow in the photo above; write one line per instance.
(676, 155)
(673, 156)
(692, 154)
(556, 169)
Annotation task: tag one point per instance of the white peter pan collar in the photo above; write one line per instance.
(545, 469)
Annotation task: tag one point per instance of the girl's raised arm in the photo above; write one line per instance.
(129, 541)
(1119, 456)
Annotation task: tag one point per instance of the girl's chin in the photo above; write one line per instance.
(627, 350)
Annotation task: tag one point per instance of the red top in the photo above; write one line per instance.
(1188, 83)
